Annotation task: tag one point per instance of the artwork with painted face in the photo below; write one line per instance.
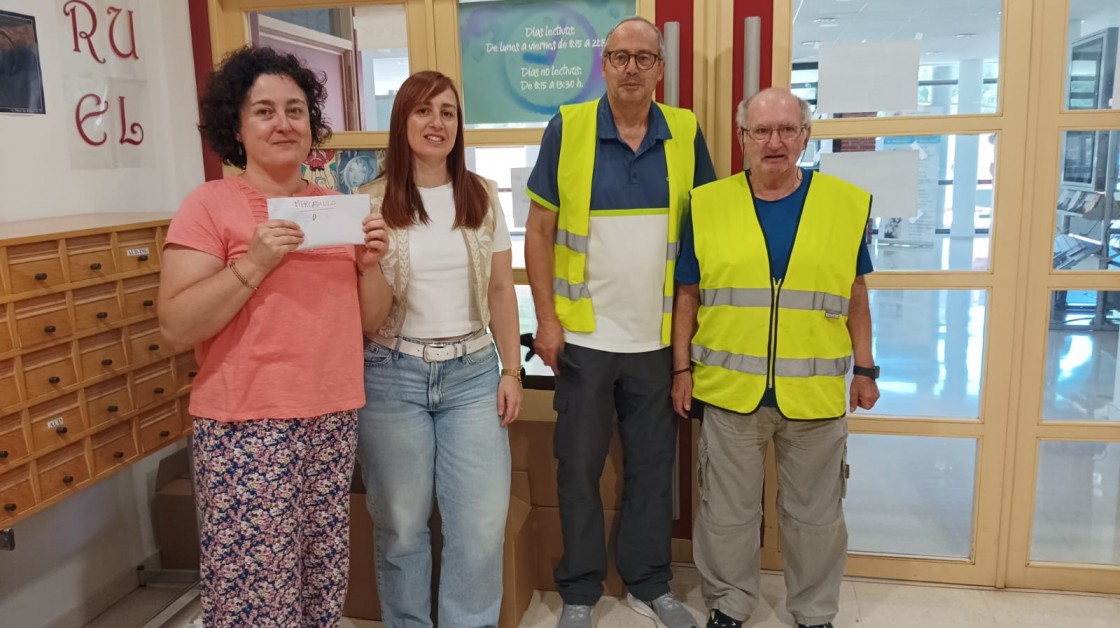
(21, 79)
(358, 167)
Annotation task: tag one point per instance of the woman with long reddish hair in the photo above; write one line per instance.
(437, 405)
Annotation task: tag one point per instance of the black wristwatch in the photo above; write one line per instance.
(866, 371)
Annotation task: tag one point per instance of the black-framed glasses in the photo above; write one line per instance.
(786, 132)
(620, 59)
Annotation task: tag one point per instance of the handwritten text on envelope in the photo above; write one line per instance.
(333, 220)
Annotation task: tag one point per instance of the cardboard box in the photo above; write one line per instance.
(518, 557)
(531, 450)
(362, 601)
(519, 563)
(550, 547)
(176, 519)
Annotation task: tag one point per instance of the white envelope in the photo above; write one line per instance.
(334, 220)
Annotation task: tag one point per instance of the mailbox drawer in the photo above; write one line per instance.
(90, 257)
(102, 354)
(42, 320)
(48, 371)
(6, 342)
(146, 343)
(56, 422)
(186, 368)
(63, 471)
(140, 296)
(159, 427)
(9, 390)
(153, 384)
(108, 401)
(96, 307)
(35, 266)
(16, 495)
(13, 442)
(137, 250)
(113, 448)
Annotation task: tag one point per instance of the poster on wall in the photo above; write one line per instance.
(104, 52)
(522, 59)
(21, 78)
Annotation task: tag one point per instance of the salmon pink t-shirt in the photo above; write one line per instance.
(295, 348)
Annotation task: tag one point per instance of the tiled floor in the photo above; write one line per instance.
(863, 604)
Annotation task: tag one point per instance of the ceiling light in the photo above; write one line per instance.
(825, 22)
(811, 42)
(964, 35)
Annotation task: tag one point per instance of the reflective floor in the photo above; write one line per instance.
(863, 603)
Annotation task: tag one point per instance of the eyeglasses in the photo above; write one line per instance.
(620, 59)
(786, 132)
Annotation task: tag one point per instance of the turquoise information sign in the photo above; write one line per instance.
(522, 59)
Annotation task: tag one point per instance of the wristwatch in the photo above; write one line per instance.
(516, 373)
(866, 371)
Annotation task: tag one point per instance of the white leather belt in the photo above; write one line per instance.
(439, 351)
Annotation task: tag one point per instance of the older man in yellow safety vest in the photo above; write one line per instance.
(771, 309)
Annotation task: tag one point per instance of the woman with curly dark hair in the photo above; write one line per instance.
(277, 334)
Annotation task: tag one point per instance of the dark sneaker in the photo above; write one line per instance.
(717, 619)
(828, 625)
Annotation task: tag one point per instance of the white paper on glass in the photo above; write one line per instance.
(519, 181)
(891, 177)
(868, 77)
(334, 220)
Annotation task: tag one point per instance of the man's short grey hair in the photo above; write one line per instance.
(741, 110)
(638, 18)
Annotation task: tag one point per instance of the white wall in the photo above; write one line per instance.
(35, 171)
(74, 559)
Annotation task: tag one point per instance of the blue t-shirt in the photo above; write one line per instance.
(779, 221)
(623, 178)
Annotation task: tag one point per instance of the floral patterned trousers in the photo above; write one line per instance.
(273, 502)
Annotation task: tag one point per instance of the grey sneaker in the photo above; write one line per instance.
(575, 616)
(666, 611)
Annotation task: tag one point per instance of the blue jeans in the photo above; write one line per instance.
(433, 428)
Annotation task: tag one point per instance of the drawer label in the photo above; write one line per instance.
(136, 252)
(56, 422)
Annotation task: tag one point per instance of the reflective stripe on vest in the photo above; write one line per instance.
(576, 168)
(752, 331)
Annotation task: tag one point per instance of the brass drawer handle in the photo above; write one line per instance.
(143, 258)
(164, 434)
(3, 454)
(118, 454)
(112, 408)
(67, 479)
(192, 374)
(40, 276)
(107, 362)
(62, 430)
(49, 329)
(158, 390)
(148, 303)
(102, 315)
(54, 379)
(10, 507)
(95, 266)
(153, 347)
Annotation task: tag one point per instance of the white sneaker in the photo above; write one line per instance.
(666, 611)
(575, 616)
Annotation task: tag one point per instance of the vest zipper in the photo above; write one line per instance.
(772, 344)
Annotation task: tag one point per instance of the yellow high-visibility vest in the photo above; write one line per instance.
(575, 169)
(754, 332)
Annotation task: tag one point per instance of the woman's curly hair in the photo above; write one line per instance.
(229, 86)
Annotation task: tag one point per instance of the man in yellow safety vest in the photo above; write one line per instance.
(771, 310)
(608, 192)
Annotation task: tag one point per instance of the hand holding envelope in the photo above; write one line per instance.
(335, 220)
(376, 237)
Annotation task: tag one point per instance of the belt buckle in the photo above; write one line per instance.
(434, 345)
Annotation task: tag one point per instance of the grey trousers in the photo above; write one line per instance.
(811, 484)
